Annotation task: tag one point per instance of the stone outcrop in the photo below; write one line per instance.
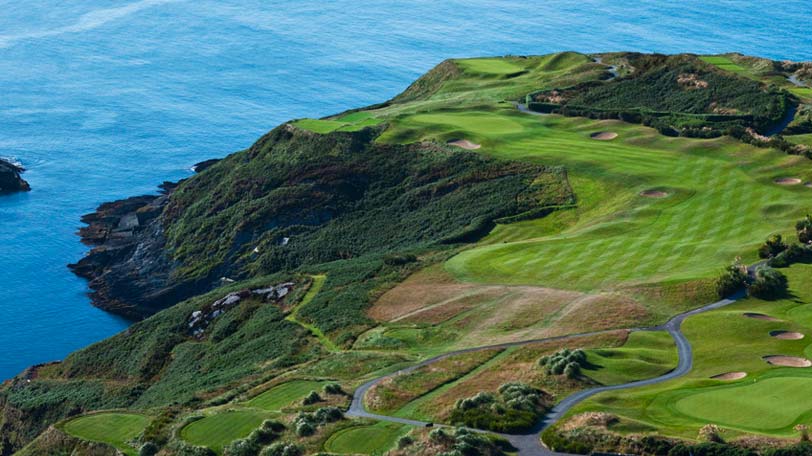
(10, 180)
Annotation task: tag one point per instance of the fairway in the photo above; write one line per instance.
(373, 439)
(115, 429)
(768, 404)
(218, 430)
(285, 394)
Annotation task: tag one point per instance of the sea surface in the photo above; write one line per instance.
(104, 99)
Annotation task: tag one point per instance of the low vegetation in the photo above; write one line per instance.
(516, 407)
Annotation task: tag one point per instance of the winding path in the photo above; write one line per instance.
(529, 443)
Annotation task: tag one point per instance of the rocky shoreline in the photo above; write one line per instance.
(128, 268)
(10, 179)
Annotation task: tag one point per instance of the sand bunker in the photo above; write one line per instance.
(787, 361)
(464, 143)
(603, 135)
(786, 335)
(788, 181)
(808, 185)
(653, 194)
(730, 376)
(759, 316)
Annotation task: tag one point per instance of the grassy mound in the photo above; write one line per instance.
(116, 429)
(218, 430)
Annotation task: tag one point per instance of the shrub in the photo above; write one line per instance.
(282, 449)
(405, 441)
(304, 429)
(242, 447)
(567, 362)
(148, 449)
(333, 388)
(517, 408)
(733, 279)
(311, 398)
(769, 283)
(328, 415)
(772, 246)
(711, 433)
(804, 229)
(272, 425)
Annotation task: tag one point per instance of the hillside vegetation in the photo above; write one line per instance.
(449, 219)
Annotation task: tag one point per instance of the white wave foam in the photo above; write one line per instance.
(85, 22)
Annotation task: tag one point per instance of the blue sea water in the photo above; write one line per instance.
(105, 99)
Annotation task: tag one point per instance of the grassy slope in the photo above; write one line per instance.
(372, 439)
(116, 429)
(285, 394)
(218, 430)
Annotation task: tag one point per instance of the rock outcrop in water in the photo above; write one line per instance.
(10, 180)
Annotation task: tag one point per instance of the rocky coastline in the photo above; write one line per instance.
(10, 179)
(128, 269)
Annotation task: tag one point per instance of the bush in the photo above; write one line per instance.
(311, 398)
(328, 415)
(282, 449)
(567, 362)
(272, 425)
(710, 449)
(304, 429)
(333, 388)
(733, 279)
(769, 283)
(242, 447)
(405, 441)
(772, 246)
(148, 449)
(517, 408)
(804, 229)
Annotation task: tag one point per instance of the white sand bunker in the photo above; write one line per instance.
(603, 135)
(787, 361)
(808, 185)
(730, 376)
(653, 194)
(786, 335)
(787, 181)
(759, 316)
(464, 143)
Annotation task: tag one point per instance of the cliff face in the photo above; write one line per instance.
(10, 180)
(294, 199)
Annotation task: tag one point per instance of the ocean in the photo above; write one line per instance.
(107, 99)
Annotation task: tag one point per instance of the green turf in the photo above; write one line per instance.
(318, 125)
(373, 439)
(769, 400)
(617, 237)
(490, 66)
(218, 430)
(644, 355)
(769, 404)
(351, 122)
(286, 394)
(116, 429)
(726, 64)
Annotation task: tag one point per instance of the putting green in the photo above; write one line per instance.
(374, 439)
(115, 429)
(768, 404)
(217, 431)
(489, 66)
(285, 394)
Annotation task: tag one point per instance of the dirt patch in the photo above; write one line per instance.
(787, 181)
(464, 143)
(653, 194)
(787, 361)
(759, 316)
(786, 335)
(603, 135)
(730, 376)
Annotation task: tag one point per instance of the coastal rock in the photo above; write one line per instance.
(10, 180)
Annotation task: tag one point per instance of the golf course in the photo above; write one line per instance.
(532, 255)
